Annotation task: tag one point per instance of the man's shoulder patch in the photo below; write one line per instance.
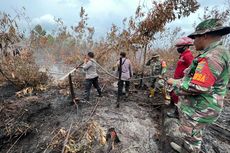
(203, 75)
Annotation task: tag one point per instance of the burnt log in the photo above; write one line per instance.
(71, 88)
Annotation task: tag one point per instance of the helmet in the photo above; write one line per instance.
(210, 26)
(184, 41)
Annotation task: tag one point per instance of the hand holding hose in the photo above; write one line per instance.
(170, 81)
(78, 66)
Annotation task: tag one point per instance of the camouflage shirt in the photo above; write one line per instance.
(203, 87)
(158, 67)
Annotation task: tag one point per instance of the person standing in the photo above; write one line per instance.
(185, 60)
(204, 85)
(126, 72)
(158, 68)
(90, 69)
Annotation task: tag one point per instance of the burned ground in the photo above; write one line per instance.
(31, 124)
(39, 117)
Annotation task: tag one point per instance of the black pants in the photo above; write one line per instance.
(120, 86)
(88, 85)
(153, 82)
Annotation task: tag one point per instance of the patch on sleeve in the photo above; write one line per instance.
(203, 75)
(163, 64)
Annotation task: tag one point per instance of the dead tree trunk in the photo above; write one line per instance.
(71, 88)
(143, 65)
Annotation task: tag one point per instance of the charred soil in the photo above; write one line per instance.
(30, 124)
(40, 123)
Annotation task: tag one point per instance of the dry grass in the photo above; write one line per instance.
(22, 70)
(81, 138)
(169, 56)
(2, 79)
(12, 126)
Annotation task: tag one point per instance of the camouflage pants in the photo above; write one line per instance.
(196, 113)
(192, 132)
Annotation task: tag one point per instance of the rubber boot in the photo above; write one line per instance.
(180, 149)
(151, 92)
(184, 148)
(167, 96)
(176, 147)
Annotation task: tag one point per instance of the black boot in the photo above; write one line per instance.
(174, 114)
(99, 95)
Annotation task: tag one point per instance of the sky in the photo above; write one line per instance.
(102, 13)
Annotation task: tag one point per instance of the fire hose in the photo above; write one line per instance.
(108, 73)
(73, 70)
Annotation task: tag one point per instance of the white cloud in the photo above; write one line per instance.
(113, 8)
(187, 23)
(45, 19)
(101, 13)
(105, 7)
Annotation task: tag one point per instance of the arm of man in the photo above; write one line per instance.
(148, 62)
(164, 67)
(130, 68)
(87, 65)
(207, 71)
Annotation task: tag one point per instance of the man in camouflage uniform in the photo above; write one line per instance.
(158, 67)
(203, 88)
